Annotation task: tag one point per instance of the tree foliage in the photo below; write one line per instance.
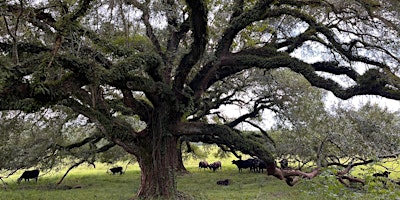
(171, 64)
(51, 138)
(335, 135)
(339, 138)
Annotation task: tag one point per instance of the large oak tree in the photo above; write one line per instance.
(172, 63)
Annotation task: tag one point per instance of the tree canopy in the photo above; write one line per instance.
(336, 134)
(172, 64)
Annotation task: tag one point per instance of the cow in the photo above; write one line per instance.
(383, 174)
(33, 174)
(215, 165)
(203, 164)
(244, 164)
(284, 163)
(253, 164)
(259, 165)
(223, 182)
(116, 170)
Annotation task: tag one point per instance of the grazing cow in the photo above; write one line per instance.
(29, 175)
(223, 182)
(244, 164)
(383, 174)
(116, 170)
(203, 164)
(284, 163)
(215, 165)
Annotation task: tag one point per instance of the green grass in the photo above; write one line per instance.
(87, 182)
(202, 185)
(94, 183)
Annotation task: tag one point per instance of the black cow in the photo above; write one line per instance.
(284, 163)
(215, 165)
(116, 170)
(29, 175)
(244, 164)
(253, 164)
(223, 182)
(383, 174)
(203, 164)
(259, 165)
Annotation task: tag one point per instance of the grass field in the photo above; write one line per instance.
(93, 183)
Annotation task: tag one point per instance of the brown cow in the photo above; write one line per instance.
(215, 165)
(203, 164)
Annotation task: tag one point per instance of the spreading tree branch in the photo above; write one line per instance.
(99, 150)
(198, 16)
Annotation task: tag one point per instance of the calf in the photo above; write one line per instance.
(115, 170)
(223, 182)
(203, 164)
(243, 164)
(29, 175)
(215, 165)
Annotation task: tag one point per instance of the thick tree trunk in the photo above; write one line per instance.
(159, 160)
(158, 171)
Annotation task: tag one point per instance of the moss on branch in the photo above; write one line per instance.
(232, 138)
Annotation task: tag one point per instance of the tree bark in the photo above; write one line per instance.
(158, 171)
(159, 159)
(180, 168)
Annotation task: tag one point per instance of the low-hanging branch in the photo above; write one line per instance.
(69, 169)
(90, 139)
(99, 150)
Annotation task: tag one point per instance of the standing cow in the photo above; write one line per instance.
(29, 175)
(215, 165)
(244, 164)
(116, 170)
(259, 165)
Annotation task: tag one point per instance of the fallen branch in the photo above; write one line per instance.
(350, 179)
(293, 176)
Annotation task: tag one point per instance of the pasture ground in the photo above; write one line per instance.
(87, 183)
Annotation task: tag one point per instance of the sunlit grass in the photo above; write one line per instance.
(93, 183)
(246, 185)
(392, 165)
(86, 183)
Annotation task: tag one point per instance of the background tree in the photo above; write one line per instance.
(85, 55)
(52, 138)
(342, 136)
